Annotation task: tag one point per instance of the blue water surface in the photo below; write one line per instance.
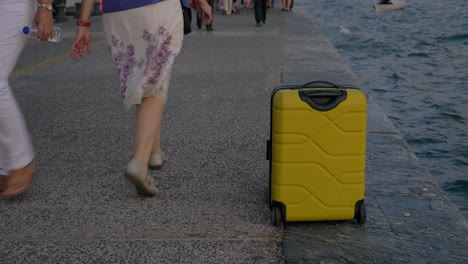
(415, 63)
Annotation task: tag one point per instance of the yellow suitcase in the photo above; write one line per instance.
(317, 153)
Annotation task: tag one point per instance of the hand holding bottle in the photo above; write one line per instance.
(44, 21)
(32, 32)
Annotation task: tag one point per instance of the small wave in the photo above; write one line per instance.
(344, 46)
(429, 74)
(434, 154)
(444, 109)
(435, 106)
(344, 30)
(396, 76)
(419, 54)
(456, 37)
(462, 152)
(379, 90)
(447, 111)
(460, 162)
(363, 43)
(425, 140)
(458, 186)
(400, 102)
(452, 116)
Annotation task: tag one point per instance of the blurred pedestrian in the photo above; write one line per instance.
(236, 6)
(218, 5)
(144, 38)
(17, 167)
(260, 12)
(246, 5)
(228, 7)
(286, 5)
(270, 5)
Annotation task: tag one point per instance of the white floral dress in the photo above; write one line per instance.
(143, 43)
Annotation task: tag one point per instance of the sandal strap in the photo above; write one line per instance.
(149, 179)
(3, 182)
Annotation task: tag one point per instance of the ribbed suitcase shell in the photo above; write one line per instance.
(317, 157)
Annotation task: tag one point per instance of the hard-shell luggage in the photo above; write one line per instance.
(317, 153)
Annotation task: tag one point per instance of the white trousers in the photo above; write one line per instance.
(15, 144)
(228, 6)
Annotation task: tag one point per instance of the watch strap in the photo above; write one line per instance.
(48, 6)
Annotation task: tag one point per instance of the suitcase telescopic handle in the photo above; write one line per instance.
(323, 100)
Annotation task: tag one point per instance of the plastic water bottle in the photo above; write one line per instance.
(31, 32)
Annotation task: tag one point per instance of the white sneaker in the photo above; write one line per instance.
(156, 161)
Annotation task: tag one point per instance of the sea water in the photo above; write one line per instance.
(415, 63)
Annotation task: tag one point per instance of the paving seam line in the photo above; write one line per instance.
(147, 239)
(43, 63)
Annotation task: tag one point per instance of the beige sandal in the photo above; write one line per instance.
(156, 161)
(19, 181)
(3, 181)
(143, 183)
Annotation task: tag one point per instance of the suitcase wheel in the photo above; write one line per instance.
(276, 216)
(361, 214)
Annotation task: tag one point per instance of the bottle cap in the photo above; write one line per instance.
(26, 30)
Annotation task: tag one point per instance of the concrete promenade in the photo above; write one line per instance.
(213, 188)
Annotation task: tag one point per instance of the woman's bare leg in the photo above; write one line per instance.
(148, 124)
(157, 141)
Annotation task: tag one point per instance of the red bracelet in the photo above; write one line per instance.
(83, 24)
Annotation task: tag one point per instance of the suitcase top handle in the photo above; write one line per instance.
(314, 84)
(320, 84)
(323, 100)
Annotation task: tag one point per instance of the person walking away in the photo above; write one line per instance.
(286, 5)
(17, 166)
(270, 5)
(228, 7)
(247, 5)
(260, 12)
(236, 6)
(218, 5)
(144, 37)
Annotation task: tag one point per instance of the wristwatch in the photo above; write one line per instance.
(48, 6)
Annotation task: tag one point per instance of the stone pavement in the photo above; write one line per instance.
(213, 188)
